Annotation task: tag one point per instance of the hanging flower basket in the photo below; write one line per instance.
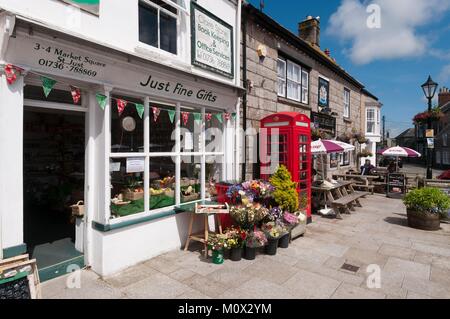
(435, 115)
(365, 153)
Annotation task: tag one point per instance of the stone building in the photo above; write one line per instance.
(283, 71)
(442, 131)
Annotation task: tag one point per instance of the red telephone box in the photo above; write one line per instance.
(286, 137)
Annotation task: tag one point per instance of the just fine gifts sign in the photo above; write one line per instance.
(48, 57)
(212, 42)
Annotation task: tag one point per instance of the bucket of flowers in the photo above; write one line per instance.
(255, 239)
(216, 244)
(285, 233)
(249, 215)
(235, 239)
(273, 234)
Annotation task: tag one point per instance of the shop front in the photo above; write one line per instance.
(102, 152)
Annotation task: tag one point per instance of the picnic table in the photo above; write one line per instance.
(360, 181)
(341, 196)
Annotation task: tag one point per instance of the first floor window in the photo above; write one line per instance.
(293, 81)
(158, 24)
(371, 121)
(346, 103)
(334, 160)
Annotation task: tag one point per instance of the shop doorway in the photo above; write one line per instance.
(54, 167)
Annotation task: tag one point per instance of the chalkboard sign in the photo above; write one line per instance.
(396, 187)
(19, 278)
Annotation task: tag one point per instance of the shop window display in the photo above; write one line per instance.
(127, 186)
(190, 185)
(162, 182)
(191, 130)
(162, 129)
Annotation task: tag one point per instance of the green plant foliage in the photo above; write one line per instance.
(427, 200)
(285, 194)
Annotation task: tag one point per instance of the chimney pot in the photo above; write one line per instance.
(309, 30)
(444, 96)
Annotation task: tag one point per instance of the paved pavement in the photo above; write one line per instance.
(421, 170)
(411, 263)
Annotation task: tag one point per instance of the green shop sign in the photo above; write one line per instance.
(91, 6)
(212, 42)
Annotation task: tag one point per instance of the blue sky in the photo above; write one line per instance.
(412, 42)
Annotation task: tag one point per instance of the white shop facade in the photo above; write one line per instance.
(135, 172)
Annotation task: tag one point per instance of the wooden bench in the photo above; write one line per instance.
(348, 202)
(368, 188)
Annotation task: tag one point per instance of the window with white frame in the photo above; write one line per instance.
(346, 103)
(445, 139)
(171, 156)
(293, 81)
(345, 159)
(158, 23)
(371, 121)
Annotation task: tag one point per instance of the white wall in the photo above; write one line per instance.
(11, 180)
(117, 26)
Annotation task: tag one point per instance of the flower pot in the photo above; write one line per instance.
(283, 242)
(423, 221)
(271, 247)
(236, 254)
(226, 253)
(217, 257)
(250, 253)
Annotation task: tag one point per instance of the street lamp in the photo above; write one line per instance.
(429, 89)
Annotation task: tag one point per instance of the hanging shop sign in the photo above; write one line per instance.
(324, 122)
(212, 42)
(324, 93)
(91, 6)
(52, 58)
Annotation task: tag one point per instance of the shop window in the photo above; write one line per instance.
(191, 130)
(158, 24)
(127, 186)
(346, 103)
(162, 182)
(58, 96)
(293, 81)
(214, 134)
(162, 130)
(190, 185)
(127, 128)
(214, 173)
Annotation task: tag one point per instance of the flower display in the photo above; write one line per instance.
(249, 215)
(272, 230)
(235, 237)
(250, 192)
(290, 220)
(435, 115)
(256, 239)
(275, 213)
(217, 242)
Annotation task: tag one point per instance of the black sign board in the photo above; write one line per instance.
(324, 93)
(396, 187)
(324, 122)
(15, 289)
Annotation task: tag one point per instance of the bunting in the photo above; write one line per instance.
(171, 114)
(11, 72)
(208, 117)
(185, 117)
(139, 109)
(76, 94)
(227, 116)
(47, 85)
(219, 117)
(101, 100)
(156, 112)
(198, 118)
(121, 105)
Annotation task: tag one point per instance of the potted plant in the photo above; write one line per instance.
(249, 215)
(216, 245)
(425, 207)
(255, 239)
(285, 194)
(235, 242)
(285, 236)
(272, 232)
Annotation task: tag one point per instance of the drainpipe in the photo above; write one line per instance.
(244, 98)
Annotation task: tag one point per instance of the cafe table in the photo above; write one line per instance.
(328, 195)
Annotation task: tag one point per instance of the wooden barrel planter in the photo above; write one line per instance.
(423, 221)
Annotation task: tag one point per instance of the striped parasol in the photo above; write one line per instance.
(327, 147)
(399, 151)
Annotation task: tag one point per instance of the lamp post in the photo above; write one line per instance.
(429, 89)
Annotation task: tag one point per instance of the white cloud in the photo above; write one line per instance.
(444, 76)
(398, 36)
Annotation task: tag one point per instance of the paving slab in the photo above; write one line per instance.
(347, 291)
(407, 268)
(308, 285)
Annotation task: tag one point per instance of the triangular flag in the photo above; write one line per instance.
(185, 117)
(156, 111)
(47, 85)
(121, 105)
(101, 100)
(233, 115)
(227, 116)
(76, 94)
(198, 118)
(11, 72)
(171, 115)
(140, 109)
(208, 117)
(219, 117)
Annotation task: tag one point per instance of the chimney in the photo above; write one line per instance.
(309, 30)
(444, 96)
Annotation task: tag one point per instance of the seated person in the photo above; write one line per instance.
(367, 168)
